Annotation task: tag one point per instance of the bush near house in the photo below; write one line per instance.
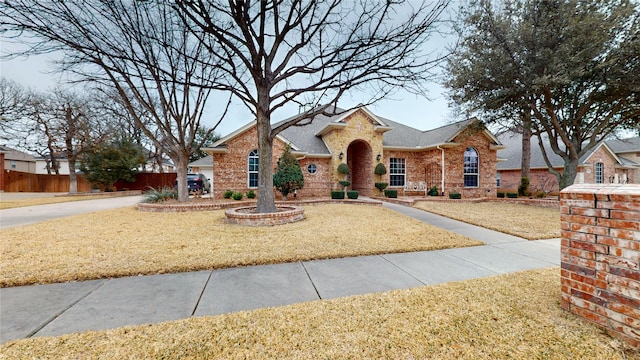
(353, 194)
(238, 196)
(251, 194)
(337, 194)
(288, 176)
(433, 191)
(455, 195)
(500, 194)
(392, 193)
(512, 195)
(227, 194)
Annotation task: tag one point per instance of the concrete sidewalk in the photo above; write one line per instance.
(49, 310)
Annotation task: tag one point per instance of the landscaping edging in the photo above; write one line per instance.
(105, 194)
(247, 216)
(525, 201)
(211, 206)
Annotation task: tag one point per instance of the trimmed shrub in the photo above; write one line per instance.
(353, 194)
(455, 195)
(337, 194)
(512, 195)
(344, 183)
(433, 191)
(343, 169)
(238, 196)
(381, 186)
(380, 169)
(500, 194)
(392, 193)
(227, 194)
(251, 194)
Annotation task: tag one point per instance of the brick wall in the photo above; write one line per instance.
(601, 256)
(230, 171)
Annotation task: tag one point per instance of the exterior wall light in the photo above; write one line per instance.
(378, 157)
(341, 155)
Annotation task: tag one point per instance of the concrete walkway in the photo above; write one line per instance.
(50, 310)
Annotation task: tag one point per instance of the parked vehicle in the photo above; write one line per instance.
(197, 182)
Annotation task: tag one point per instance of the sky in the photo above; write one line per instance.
(36, 72)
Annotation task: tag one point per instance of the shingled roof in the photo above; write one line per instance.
(511, 155)
(308, 139)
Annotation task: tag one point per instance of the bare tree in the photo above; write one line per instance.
(310, 53)
(140, 48)
(13, 98)
(54, 125)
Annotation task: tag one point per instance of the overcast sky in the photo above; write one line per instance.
(36, 72)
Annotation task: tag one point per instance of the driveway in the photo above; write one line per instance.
(33, 214)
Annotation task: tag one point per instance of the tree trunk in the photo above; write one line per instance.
(181, 171)
(526, 144)
(569, 173)
(266, 195)
(73, 178)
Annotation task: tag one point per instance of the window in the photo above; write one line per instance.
(599, 173)
(253, 169)
(312, 168)
(498, 179)
(470, 167)
(13, 164)
(397, 171)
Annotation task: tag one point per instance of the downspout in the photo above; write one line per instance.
(441, 169)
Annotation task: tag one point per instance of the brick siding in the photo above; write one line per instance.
(600, 271)
(360, 143)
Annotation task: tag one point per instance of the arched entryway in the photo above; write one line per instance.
(360, 163)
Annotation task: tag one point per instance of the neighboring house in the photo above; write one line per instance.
(608, 162)
(203, 166)
(16, 160)
(459, 157)
(63, 166)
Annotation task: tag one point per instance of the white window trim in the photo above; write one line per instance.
(403, 174)
(249, 171)
(476, 174)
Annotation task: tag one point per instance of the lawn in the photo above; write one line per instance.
(515, 316)
(125, 242)
(14, 203)
(525, 221)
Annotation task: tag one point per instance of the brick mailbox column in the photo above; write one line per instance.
(601, 256)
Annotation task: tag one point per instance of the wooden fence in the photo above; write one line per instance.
(16, 181)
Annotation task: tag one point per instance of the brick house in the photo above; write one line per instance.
(457, 157)
(611, 161)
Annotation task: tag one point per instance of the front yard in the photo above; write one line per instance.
(126, 242)
(525, 221)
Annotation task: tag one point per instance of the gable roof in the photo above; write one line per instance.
(308, 138)
(17, 155)
(623, 146)
(512, 153)
(205, 161)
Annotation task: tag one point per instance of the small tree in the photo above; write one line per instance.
(108, 163)
(380, 170)
(288, 176)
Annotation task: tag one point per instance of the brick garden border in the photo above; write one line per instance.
(211, 206)
(247, 216)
